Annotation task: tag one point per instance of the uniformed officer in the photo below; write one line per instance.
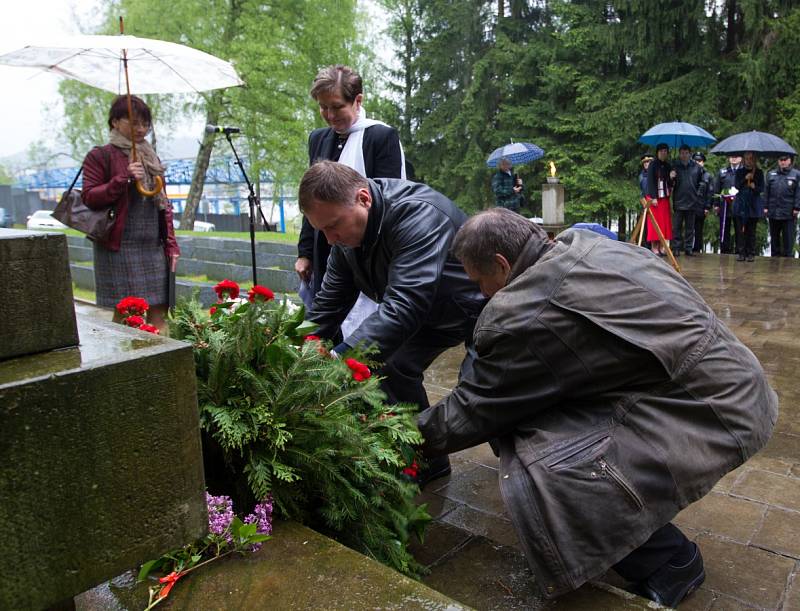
(726, 179)
(702, 207)
(782, 205)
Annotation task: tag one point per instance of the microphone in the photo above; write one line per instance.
(221, 129)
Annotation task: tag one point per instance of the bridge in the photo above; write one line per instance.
(225, 191)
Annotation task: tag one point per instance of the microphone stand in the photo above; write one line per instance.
(255, 204)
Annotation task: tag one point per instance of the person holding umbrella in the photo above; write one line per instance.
(506, 187)
(660, 181)
(141, 248)
(782, 205)
(748, 206)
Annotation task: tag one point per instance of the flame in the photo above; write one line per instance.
(552, 169)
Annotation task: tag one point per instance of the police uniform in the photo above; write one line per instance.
(782, 200)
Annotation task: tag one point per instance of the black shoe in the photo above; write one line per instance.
(669, 585)
(689, 253)
(740, 258)
(750, 258)
(437, 467)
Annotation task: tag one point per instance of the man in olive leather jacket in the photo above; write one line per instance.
(615, 395)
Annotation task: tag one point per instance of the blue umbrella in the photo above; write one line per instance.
(516, 153)
(597, 228)
(676, 133)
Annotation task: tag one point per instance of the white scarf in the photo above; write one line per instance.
(353, 151)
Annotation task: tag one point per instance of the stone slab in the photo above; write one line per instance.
(36, 312)
(298, 569)
(730, 517)
(100, 461)
(780, 533)
(747, 574)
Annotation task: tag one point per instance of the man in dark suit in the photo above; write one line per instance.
(370, 147)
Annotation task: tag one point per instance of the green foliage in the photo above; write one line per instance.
(293, 422)
(583, 79)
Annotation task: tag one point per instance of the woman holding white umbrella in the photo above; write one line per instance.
(140, 250)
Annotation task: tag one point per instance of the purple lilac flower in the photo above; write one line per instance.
(220, 515)
(262, 517)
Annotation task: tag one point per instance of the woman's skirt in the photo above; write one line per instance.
(663, 217)
(139, 267)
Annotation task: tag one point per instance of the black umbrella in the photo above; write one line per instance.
(760, 143)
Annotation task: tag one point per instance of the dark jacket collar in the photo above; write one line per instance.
(377, 214)
(533, 250)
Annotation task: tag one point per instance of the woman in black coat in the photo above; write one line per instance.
(370, 147)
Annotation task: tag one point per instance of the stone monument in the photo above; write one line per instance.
(100, 459)
(553, 204)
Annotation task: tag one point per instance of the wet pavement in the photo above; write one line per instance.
(748, 527)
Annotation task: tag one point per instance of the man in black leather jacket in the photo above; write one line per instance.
(782, 205)
(688, 194)
(391, 240)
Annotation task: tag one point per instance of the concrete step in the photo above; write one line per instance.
(277, 279)
(237, 244)
(297, 569)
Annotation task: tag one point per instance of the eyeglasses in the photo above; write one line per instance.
(137, 124)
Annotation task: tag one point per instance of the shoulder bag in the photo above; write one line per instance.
(96, 224)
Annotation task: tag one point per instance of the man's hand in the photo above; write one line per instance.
(673, 174)
(517, 189)
(303, 268)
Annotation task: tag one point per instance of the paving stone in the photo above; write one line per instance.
(440, 540)
(783, 446)
(477, 488)
(750, 575)
(487, 576)
(723, 515)
(596, 597)
(495, 528)
(769, 488)
(726, 603)
(437, 504)
(727, 482)
(780, 532)
(482, 455)
(700, 600)
(793, 596)
(765, 463)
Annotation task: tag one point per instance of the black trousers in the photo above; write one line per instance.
(781, 237)
(746, 237)
(738, 224)
(404, 370)
(699, 224)
(682, 225)
(660, 548)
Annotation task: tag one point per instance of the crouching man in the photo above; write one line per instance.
(616, 397)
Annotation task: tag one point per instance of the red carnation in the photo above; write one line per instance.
(134, 321)
(312, 338)
(260, 291)
(227, 288)
(360, 370)
(412, 470)
(212, 309)
(149, 329)
(129, 306)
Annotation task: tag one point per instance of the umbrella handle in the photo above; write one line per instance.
(158, 184)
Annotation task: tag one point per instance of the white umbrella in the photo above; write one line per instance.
(155, 66)
(103, 61)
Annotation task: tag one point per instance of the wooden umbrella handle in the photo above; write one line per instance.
(158, 184)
